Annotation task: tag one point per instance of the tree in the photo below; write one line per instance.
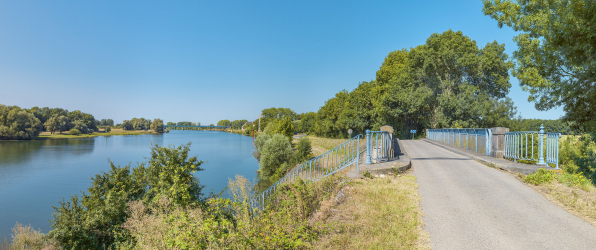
(81, 127)
(87, 119)
(274, 153)
(304, 149)
(224, 123)
(281, 126)
(157, 125)
(127, 125)
(556, 55)
(19, 124)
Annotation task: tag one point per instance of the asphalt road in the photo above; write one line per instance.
(468, 205)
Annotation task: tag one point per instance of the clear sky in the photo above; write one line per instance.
(204, 61)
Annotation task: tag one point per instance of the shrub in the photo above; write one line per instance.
(93, 220)
(274, 153)
(25, 237)
(74, 131)
(542, 176)
(304, 148)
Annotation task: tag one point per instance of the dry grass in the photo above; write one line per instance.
(577, 200)
(321, 145)
(25, 237)
(380, 213)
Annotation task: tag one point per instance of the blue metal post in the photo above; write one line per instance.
(541, 145)
(368, 160)
(357, 153)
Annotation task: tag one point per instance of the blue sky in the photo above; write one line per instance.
(203, 61)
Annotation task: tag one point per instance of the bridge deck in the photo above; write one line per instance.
(468, 205)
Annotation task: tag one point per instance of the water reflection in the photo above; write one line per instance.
(34, 175)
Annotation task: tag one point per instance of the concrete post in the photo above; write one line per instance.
(541, 146)
(497, 141)
(368, 159)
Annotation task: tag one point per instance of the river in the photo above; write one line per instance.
(34, 175)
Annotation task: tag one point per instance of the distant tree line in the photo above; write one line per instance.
(24, 124)
(143, 124)
(550, 126)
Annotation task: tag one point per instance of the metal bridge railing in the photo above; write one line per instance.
(474, 139)
(330, 162)
(379, 146)
(529, 146)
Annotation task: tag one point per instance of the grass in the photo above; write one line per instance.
(64, 135)
(321, 145)
(573, 192)
(25, 237)
(379, 213)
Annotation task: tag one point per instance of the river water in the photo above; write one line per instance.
(34, 175)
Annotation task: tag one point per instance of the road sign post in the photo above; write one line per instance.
(413, 131)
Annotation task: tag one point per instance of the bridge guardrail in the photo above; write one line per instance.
(336, 159)
(529, 146)
(474, 139)
(379, 146)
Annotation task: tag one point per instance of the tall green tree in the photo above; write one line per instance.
(16, 123)
(556, 55)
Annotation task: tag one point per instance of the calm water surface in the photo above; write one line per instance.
(37, 174)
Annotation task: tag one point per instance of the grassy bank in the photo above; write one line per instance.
(65, 135)
(380, 213)
(573, 192)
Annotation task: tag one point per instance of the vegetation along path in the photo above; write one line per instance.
(468, 205)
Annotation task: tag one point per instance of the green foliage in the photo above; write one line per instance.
(577, 154)
(224, 123)
(94, 220)
(157, 125)
(555, 56)
(446, 81)
(16, 123)
(281, 126)
(550, 126)
(304, 149)
(74, 131)
(273, 154)
(540, 177)
(233, 223)
(86, 121)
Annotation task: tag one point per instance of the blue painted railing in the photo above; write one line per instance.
(378, 146)
(529, 146)
(336, 159)
(474, 139)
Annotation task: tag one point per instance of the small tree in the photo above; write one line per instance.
(157, 125)
(304, 149)
(274, 153)
(74, 131)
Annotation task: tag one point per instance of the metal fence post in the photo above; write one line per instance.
(368, 160)
(541, 146)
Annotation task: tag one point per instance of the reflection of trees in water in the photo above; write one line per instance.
(23, 151)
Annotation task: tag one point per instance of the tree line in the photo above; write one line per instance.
(25, 124)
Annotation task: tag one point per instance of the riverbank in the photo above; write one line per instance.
(113, 132)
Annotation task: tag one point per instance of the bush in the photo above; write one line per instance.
(304, 149)
(234, 223)
(25, 237)
(74, 131)
(542, 176)
(274, 153)
(93, 220)
(577, 154)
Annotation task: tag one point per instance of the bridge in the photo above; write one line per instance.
(468, 203)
